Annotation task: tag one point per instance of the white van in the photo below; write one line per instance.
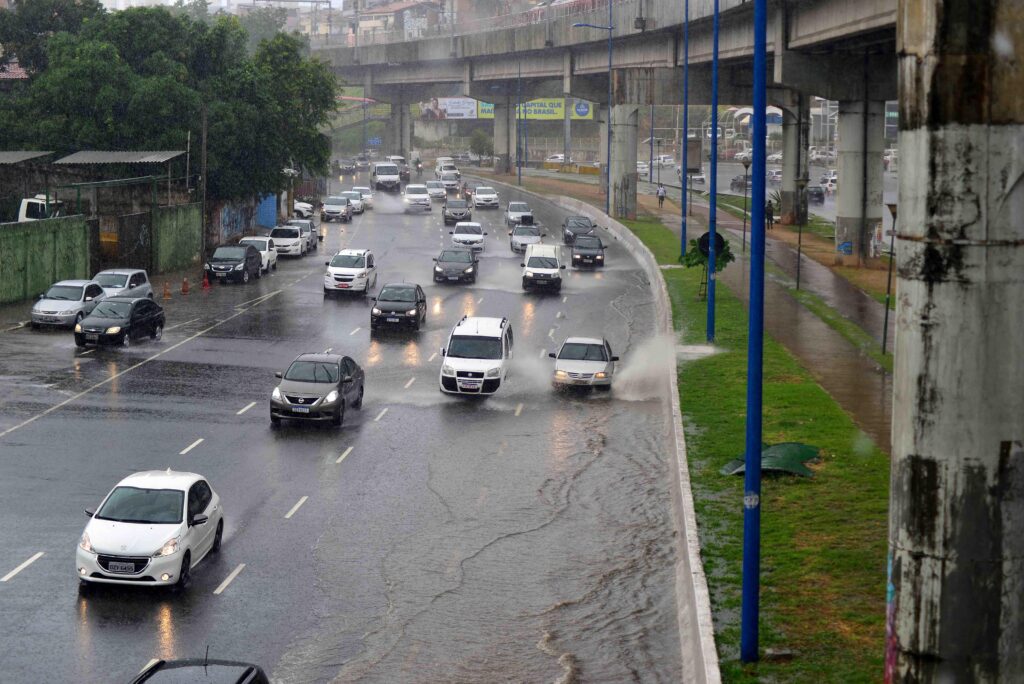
(542, 267)
(385, 177)
(478, 355)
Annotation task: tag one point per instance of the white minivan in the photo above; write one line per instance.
(385, 177)
(542, 267)
(478, 355)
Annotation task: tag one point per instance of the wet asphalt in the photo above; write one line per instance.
(525, 537)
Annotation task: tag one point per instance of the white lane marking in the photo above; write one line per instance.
(551, 333)
(565, 299)
(21, 567)
(558, 315)
(354, 331)
(344, 455)
(129, 369)
(87, 351)
(227, 580)
(380, 415)
(191, 446)
(328, 350)
(519, 409)
(178, 325)
(148, 665)
(480, 301)
(541, 355)
(17, 327)
(432, 357)
(247, 407)
(409, 384)
(296, 507)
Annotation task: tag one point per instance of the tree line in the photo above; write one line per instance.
(143, 78)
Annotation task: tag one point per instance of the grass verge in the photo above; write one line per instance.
(823, 539)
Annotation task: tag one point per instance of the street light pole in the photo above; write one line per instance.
(713, 209)
(608, 157)
(519, 140)
(746, 172)
(686, 128)
(650, 163)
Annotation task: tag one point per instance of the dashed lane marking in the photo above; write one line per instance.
(87, 351)
(519, 409)
(565, 299)
(432, 357)
(541, 355)
(247, 407)
(344, 455)
(380, 415)
(296, 507)
(9, 576)
(409, 384)
(178, 325)
(551, 333)
(191, 446)
(227, 580)
(354, 331)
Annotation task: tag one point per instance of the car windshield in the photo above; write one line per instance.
(468, 229)
(284, 233)
(303, 226)
(258, 244)
(415, 189)
(458, 256)
(336, 200)
(112, 309)
(348, 261)
(111, 279)
(542, 262)
(578, 222)
(69, 292)
(474, 348)
(526, 231)
(587, 242)
(228, 254)
(352, 194)
(577, 351)
(143, 506)
(313, 371)
(435, 184)
(362, 191)
(484, 190)
(387, 170)
(397, 294)
(518, 206)
(457, 204)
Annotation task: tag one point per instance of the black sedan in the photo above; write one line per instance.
(399, 305)
(574, 226)
(815, 194)
(455, 265)
(587, 250)
(120, 320)
(317, 387)
(404, 173)
(235, 262)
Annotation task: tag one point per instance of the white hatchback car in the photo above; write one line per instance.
(435, 189)
(124, 282)
(350, 270)
(485, 196)
(367, 194)
(151, 530)
(289, 240)
(468, 234)
(584, 362)
(355, 198)
(268, 252)
(416, 198)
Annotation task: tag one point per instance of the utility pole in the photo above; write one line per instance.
(956, 513)
(202, 164)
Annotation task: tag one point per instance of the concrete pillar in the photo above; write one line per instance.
(861, 177)
(624, 119)
(956, 528)
(794, 161)
(504, 136)
(400, 127)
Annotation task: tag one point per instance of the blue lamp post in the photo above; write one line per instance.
(684, 177)
(608, 158)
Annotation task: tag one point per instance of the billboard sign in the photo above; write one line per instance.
(447, 108)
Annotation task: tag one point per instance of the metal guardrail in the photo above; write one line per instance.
(536, 15)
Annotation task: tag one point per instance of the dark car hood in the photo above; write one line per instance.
(588, 251)
(103, 322)
(452, 267)
(319, 389)
(579, 230)
(225, 262)
(389, 307)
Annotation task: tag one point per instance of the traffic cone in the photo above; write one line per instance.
(167, 290)
(184, 286)
(206, 281)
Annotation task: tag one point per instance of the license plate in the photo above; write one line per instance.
(220, 275)
(588, 261)
(51, 319)
(392, 320)
(542, 280)
(300, 409)
(114, 566)
(453, 277)
(473, 384)
(92, 338)
(343, 286)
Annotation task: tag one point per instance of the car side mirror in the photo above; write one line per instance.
(510, 232)
(615, 358)
(435, 259)
(347, 379)
(443, 350)
(485, 233)
(451, 232)
(543, 234)
(553, 355)
(90, 513)
(523, 265)
(88, 298)
(327, 263)
(131, 286)
(199, 519)
(278, 374)
(562, 267)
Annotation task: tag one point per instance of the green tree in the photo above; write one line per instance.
(263, 23)
(27, 27)
(481, 144)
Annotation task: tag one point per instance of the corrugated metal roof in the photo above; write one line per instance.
(19, 156)
(121, 157)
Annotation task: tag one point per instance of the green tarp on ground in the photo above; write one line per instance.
(788, 457)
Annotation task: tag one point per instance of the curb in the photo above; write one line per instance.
(693, 601)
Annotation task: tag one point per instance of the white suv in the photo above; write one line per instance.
(478, 355)
(485, 196)
(350, 270)
(542, 267)
(416, 198)
(289, 241)
(468, 234)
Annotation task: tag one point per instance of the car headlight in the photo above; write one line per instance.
(561, 374)
(78, 327)
(331, 397)
(529, 274)
(438, 269)
(600, 375)
(375, 311)
(169, 547)
(206, 266)
(85, 544)
(556, 275)
(447, 370)
(468, 270)
(575, 256)
(113, 330)
(239, 267)
(493, 373)
(410, 312)
(599, 256)
(276, 394)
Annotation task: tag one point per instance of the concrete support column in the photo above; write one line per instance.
(956, 525)
(624, 120)
(861, 177)
(400, 127)
(504, 136)
(794, 161)
(601, 112)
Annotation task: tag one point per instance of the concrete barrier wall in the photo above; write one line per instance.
(177, 237)
(38, 253)
(693, 601)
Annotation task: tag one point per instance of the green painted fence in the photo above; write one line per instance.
(39, 253)
(177, 237)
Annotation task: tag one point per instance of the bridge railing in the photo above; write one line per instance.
(536, 15)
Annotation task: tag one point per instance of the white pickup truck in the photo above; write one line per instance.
(36, 208)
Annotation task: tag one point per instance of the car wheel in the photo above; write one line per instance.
(84, 587)
(217, 537)
(274, 421)
(79, 342)
(34, 325)
(245, 276)
(126, 339)
(339, 416)
(274, 266)
(158, 332)
(184, 574)
(259, 273)
(79, 317)
(358, 403)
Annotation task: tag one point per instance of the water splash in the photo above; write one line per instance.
(645, 369)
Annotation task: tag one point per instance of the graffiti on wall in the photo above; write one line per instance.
(233, 219)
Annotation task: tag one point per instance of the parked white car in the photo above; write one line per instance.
(151, 530)
(643, 169)
(288, 240)
(124, 282)
(585, 362)
(775, 158)
(302, 209)
(265, 246)
(367, 195)
(350, 270)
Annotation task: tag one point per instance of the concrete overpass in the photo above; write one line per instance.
(836, 49)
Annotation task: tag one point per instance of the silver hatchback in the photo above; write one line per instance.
(66, 303)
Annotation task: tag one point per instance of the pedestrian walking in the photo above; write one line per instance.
(661, 195)
(769, 215)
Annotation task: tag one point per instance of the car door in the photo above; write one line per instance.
(206, 531)
(93, 295)
(194, 537)
(421, 302)
(371, 267)
(349, 389)
(271, 254)
(136, 320)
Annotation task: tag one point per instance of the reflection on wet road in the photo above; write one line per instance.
(525, 537)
